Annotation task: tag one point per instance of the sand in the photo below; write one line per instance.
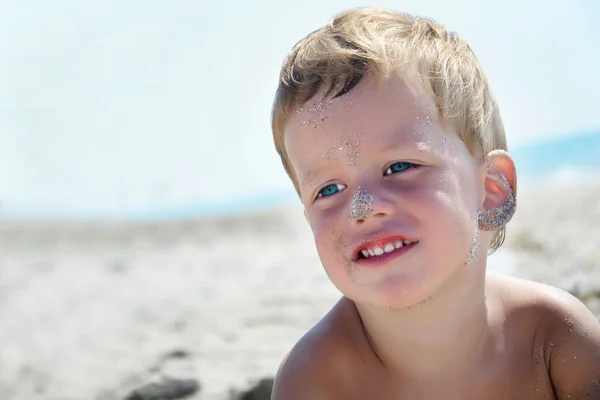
(93, 311)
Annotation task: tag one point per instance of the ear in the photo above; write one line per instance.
(500, 179)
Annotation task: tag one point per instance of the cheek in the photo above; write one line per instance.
(457, 187)
(328, 236)
(448, 231)
(332, 239)
(332, 244)
(447, 214)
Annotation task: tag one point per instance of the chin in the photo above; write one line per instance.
(393, 286)
(392, 294)
(398, 301)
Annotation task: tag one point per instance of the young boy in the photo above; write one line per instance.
(389, 131)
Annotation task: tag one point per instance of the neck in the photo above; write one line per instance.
(451, 330)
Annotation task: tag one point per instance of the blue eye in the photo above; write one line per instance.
(399, 167)
(330, 190)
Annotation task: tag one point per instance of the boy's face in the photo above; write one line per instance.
(376, 168)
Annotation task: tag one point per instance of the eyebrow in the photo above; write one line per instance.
(310, 176)
(350, 156)
(399, 141)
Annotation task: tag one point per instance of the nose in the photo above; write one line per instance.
(367, 204)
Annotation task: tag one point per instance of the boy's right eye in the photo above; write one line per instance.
(330, 189)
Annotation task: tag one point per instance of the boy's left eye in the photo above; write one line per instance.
(399, 167)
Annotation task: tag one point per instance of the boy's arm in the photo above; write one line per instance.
(311, 368)
(296, 380)
(574, 350)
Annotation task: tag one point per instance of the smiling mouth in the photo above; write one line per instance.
(379, 249)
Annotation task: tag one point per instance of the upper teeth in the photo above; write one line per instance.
(387, 248)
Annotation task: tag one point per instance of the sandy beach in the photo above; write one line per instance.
(94, 311)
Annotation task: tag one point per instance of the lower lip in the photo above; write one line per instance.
(375, 261)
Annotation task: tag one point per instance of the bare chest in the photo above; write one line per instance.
(516, 377)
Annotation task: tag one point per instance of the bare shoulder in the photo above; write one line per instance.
(316, 367)
(570, 333)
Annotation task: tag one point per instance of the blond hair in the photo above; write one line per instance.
(388, 45)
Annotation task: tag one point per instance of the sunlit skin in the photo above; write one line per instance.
(426, 187)
(419, 322)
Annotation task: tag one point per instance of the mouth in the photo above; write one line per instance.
(383, 247)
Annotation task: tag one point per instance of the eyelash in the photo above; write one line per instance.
(320, 194)
(409, 166)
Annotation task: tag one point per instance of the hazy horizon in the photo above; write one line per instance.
(112, 108)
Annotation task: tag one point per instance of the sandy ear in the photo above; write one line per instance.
(500, 180)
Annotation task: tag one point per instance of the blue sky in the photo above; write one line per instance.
(111, 107)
